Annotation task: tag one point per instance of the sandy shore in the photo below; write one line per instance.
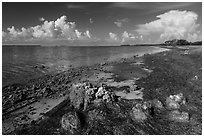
(35, 102)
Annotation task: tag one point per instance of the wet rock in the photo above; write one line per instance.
(96, 114)
(77, 95)
(178, 98)
(157, 104)
(70, 122)
(100, 92)
(81, 95)
(106, 97)
(91, 92)
(174, 101)
(178, 116)
(137, 114)
(105, 94)
(172, 104)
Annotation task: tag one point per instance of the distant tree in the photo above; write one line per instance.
(175, 42)
(197, 43)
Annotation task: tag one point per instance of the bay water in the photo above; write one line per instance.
(27, 62)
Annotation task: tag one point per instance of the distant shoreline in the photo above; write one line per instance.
(4, 45)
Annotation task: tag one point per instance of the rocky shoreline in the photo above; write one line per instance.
(152, 94)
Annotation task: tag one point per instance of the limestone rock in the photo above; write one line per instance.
(81, 95)
(105, 94)
(137, 113)
(70, 122)
(172, 104)
(96, 114)
(77, 96)
(157, 104)
(174, 101)
(100, 92)
(178, 116)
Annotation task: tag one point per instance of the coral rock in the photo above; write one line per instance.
(138, 114)
(157, 104)
(178, 116)
(70, 122)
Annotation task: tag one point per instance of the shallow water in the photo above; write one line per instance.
(26, 62)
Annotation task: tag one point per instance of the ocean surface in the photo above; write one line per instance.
(27, 62)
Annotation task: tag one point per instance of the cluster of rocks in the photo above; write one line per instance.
(82, 94)
(173, 103)
(70, 122)
(141, 111)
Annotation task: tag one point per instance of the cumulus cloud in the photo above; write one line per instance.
(41, 19)
(85, 35)
(59, 29)
(119, 22)
(173, 24)
(128, 37)
(113, 36)
(124, 38)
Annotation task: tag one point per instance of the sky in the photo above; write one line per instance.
(100, 23)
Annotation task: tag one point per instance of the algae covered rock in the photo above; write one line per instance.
(178, 116)
(157, 104)
(138, 113)
(105, 94)
(174, 101)
(101, 91)
(95, 115)
(70, 122)
(81, 95)
(77, 95)
(172, 104)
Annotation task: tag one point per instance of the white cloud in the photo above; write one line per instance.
(120, 22)
(78, 34)
(4, 34)
(41, 19)
(124, 38)
(127, 37)
(59, 29)
(113, 36)
(87, 34)
(173, 24)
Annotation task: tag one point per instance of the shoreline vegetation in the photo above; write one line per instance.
(172, 43)
(157, 93)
